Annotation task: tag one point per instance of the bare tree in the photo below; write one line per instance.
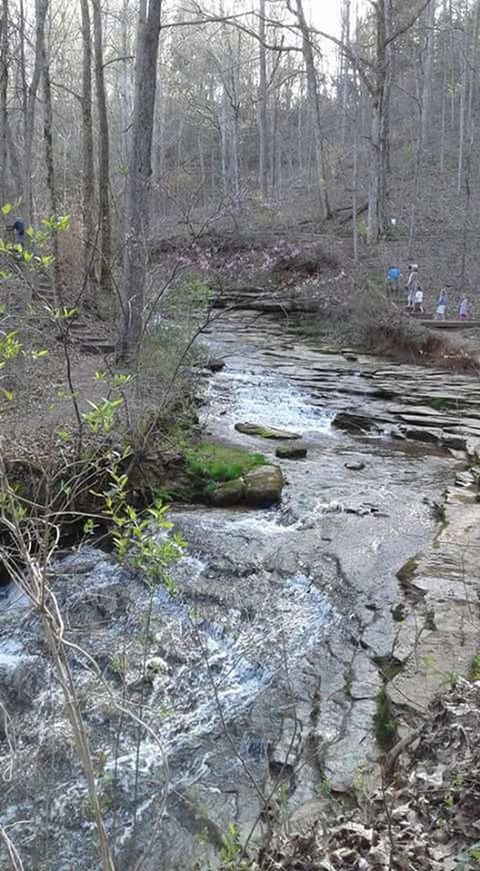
(4, 48)
(88, 172)
(134, 272)
(103, 154)
(262, 105)
(314, 105)
(41, 9)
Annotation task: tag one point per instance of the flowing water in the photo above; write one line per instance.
(263, 668)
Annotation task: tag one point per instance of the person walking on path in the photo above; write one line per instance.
(19, 228)
(412, 286)
(442, 304)
(463, 309)
(393, 281)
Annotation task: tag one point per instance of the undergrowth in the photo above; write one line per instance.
(475, 668)
(385, 726)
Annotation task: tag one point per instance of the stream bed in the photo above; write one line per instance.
(263, 669)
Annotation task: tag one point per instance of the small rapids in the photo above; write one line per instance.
(263, 396)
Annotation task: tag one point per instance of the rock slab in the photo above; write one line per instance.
(265, 432)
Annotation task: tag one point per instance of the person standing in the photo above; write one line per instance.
(393, 280)
(418, 301)
(463, 309)
(442, 304)
(19, 228)
(412, 286)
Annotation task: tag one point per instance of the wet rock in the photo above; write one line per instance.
(464, 479)
(353, 422)
(216, 364)
(263, 486)
(352, 358)
(228, 493)
(355, 467)
(291, 452)
(265, 432)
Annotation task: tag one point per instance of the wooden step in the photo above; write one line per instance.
(100, 346)
(450, 325)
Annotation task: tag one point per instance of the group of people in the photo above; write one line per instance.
(415, 296)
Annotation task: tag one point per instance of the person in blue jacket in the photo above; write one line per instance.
(19, 228)
(393, 280)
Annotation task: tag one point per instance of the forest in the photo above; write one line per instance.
(239, 455)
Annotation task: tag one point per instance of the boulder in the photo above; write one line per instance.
(265, 432)
(263, 486)
(291, 452)
(228, 493)
(215, 364)
(352, 422)
(355, 467)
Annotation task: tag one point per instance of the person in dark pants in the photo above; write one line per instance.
(19, 229)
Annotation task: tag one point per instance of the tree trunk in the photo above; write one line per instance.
(4, 103)
(314, 104)
(88, 172)
(262, 106)
(463, 104)
(377, 189)
(137, 211)
(41, 8)
(443, 123)
(50, 162)
(345, 68)
(427, 72)
(103, 155)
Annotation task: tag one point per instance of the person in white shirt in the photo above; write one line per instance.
(418, 305)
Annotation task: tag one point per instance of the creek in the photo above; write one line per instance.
(265, 667)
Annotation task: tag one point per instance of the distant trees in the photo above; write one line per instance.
(253, 106)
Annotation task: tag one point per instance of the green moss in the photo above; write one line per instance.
(385, 725)
(406, 572)
(474, 673)
(437, 402)
(220, 463)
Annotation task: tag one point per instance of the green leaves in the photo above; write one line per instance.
(102, 417)
(64, 314)
(57, 225)
(7, 208)
(134, 534)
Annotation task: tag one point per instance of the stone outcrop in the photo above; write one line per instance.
(291, 452)
(263, 486)
(266, 432)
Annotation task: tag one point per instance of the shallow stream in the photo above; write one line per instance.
(266, 663)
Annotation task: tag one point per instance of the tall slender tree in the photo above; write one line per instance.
(104, 209)
(137, 211)
(88, 171)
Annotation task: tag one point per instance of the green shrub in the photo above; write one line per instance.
(219, 463)
(475, 668)
(385, 726)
